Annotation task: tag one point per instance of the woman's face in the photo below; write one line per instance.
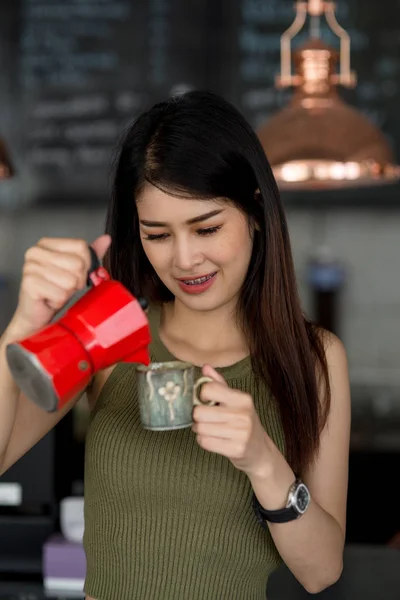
(200, 249)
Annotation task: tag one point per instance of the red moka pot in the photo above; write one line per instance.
(105, 326)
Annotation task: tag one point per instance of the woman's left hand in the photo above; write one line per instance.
(233, 428)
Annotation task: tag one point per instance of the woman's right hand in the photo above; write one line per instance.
(54, 269)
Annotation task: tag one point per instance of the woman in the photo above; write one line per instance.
(197, 227)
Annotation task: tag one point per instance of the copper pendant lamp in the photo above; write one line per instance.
(318, 141)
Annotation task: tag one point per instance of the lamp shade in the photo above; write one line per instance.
(319, 141)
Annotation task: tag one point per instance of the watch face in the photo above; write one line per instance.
(302, 498)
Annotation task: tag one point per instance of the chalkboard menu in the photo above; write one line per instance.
(80, 71)
(74, 73)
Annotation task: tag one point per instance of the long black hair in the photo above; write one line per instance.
(199, 145)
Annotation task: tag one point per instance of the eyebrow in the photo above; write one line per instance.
(198, 219)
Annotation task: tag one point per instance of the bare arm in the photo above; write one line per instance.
(22, 423)
(53, 271)
(312, 546)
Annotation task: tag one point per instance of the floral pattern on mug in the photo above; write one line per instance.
(170, 392)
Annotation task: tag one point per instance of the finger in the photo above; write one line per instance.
(37, 258)
(211, 414)
(209, 371)
(77, 246)
(73, 246)
(214, 431)
(38, 288)
(101, 245)
(69, 245)
(224, 395)
(67, 280)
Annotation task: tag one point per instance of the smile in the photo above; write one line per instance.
(198, 280)
(197, 285)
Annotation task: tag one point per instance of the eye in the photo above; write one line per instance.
(155, 237)
(162, 236)
(209, 230)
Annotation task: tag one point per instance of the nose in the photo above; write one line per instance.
(186, 254)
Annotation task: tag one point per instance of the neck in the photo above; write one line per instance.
(215, 330)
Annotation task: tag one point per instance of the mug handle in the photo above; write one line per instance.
(196, 399)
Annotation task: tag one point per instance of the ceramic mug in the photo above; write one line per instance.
(167, 393)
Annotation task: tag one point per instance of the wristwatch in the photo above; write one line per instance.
(297, 504)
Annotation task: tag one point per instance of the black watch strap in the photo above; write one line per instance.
(282, 515)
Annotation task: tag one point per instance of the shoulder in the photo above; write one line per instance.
(335, 350)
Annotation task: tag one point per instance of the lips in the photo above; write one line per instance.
(196, 280)
(197, 285)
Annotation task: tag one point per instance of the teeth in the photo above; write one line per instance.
(197, 281)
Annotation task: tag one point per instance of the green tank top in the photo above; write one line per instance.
(164, 519)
